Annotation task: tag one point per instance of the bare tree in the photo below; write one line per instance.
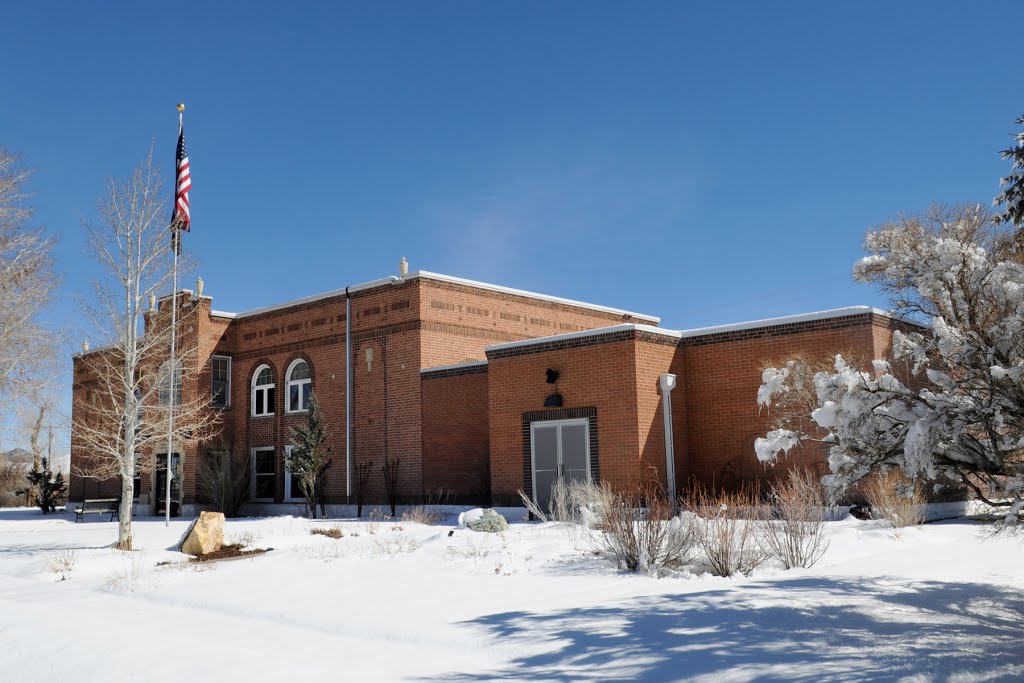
(27, 281)
(133, 388)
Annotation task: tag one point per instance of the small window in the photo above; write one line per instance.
(299, 386)
(263, 391)
(264, 479)
(164, 391)
(220, 381)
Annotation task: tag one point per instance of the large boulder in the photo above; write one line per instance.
(484, 520)
(206, 535)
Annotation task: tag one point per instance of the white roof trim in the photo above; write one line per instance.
(308, 299)
(455, 366)
(847, 312)
(585, 333)
(531, 295)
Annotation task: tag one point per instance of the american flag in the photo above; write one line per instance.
(180, 219)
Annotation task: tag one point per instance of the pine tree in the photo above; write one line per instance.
(1012, 196)
(309, 459)
(49, 488)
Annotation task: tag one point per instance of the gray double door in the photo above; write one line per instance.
(560, 449)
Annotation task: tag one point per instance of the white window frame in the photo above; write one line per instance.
(252, 474)
(254, 387)
(288, 479)
(289, 382)
(227, 390)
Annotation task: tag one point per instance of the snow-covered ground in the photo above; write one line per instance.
(409, 602)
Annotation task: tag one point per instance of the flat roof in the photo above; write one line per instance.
(846, 312)
(427, 275)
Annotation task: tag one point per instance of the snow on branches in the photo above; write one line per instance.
(1012, 196)
(951, 400)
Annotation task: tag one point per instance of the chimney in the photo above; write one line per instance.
(403, 268)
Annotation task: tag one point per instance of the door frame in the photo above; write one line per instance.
(558, 424)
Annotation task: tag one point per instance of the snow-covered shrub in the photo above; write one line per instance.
(727, 529)
(640, 533)
(950, 401)
(795, 533)
(895, 498)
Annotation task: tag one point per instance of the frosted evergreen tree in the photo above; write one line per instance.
(309, 459)
(1012, 196)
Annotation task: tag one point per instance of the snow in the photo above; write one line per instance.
(940, 602)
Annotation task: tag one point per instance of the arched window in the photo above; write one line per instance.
(263, 391)
(299, 386)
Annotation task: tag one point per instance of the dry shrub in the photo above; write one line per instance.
(436, 509)
(62, 562)
(395, 544)
(243, 538)
(222, 480)
(127, 576)
(796, 535)
(727, 529)
(640, 533)
(373, 525)
(895, 498)
(580, 503)
(330, 532)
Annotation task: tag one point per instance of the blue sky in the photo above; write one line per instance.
(705, 162)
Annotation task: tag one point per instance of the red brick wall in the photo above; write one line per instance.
(720, 378)
(456, 441)
(600, 376)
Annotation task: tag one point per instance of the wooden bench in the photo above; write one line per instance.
(98, 506)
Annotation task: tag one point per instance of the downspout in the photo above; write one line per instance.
(668, 383)
(348, 397)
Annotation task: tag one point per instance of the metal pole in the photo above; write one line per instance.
(175, 246)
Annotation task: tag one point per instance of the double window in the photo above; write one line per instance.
(220, 381)
(299, 386)
(264, 478)
(263, 391)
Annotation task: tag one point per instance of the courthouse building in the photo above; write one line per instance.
(480, 390)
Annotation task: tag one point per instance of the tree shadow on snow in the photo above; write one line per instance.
(808, 629)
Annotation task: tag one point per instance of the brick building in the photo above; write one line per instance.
(482, 390)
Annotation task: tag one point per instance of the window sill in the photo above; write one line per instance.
(256, 417)
(296, 412)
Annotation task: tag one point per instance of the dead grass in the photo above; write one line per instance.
(330, 532)
(895, 498)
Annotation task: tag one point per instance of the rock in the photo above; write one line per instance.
(206, 535)
(860, 511)
(484, 520)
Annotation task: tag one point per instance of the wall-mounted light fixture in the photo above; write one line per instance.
(555, 399)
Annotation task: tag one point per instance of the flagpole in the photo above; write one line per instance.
(175, 247)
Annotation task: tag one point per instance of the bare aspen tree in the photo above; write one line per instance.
(120, 431)
(27, 281)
